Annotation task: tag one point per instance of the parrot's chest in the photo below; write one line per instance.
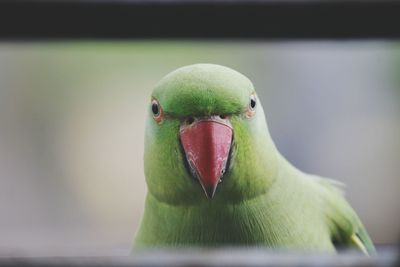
(234, 225)
(256, 229)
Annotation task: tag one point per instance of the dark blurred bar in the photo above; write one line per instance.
(218, 257)
(241, 19)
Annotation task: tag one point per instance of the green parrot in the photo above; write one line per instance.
(215, 177)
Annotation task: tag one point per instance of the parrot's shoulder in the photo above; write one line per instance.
(331, 186)
(344, 224)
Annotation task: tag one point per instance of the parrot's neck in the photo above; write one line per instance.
(211, 223)
(170, 225)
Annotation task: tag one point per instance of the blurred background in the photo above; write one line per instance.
(72, 128)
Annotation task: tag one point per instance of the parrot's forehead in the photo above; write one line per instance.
(203, 89)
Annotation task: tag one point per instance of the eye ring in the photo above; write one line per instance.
(251, 108)
(156, 110)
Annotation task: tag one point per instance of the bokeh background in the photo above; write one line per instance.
(72, 128)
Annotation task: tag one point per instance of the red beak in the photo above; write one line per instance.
(206, 143)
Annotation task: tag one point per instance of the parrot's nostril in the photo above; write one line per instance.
(189, 120)
(222, 117)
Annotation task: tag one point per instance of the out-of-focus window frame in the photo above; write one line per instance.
(211, 19)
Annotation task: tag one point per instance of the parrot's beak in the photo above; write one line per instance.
(207, 142)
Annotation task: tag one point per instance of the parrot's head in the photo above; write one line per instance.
(206, 133)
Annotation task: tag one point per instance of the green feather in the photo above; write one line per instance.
(263, 200)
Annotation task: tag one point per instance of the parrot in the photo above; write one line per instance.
(215, 177)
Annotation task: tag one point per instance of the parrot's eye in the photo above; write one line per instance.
(251, 109)
(252, 102)
(157, 111)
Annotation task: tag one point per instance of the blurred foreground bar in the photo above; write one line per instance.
(218, 257)
(242, 19)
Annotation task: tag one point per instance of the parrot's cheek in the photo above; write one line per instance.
(206, 143)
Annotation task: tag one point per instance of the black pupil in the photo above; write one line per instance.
(252, 103)
(155, 109)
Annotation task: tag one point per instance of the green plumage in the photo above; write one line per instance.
(263, 200)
